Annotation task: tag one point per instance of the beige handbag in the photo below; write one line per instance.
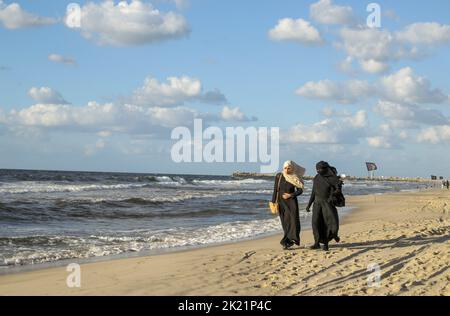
(274, 207)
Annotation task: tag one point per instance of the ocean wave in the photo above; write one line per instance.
(245, 182)
(21, 187)
(41, 249)
(36, 187)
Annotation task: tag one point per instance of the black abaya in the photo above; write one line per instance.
(325, 220)
(288, 210)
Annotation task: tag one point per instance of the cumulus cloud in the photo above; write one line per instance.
(345, 93)
(387, 137)
(46, 95)
(346, 129)
(325, 12)
(126, 24)
(158, 108)
(403, 86)
(379, 142)
(97, 118)
(299, 30)
(376, 48)
(176, 91)
(12, 16)
(434, 135)
(411, 116)
(373, 66)
(234, 114)
(62, 59)
(406, 87)
(430, 33)
(105, 119)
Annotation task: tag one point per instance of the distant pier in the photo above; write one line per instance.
(239, 174)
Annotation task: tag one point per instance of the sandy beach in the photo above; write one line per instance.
(405, 234)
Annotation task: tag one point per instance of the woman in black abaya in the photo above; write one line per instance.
(325, 220)
(289, 185)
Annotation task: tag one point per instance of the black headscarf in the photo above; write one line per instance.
(324, 169)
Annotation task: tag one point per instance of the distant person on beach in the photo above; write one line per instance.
(288, 186)
(447, 184)
(325, 219)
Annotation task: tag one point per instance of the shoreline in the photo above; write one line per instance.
(11, 270)
(260, 267)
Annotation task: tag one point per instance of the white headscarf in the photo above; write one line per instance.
(295, 178)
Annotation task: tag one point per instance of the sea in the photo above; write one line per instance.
(56, 216)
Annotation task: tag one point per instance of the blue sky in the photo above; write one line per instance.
(398, 117)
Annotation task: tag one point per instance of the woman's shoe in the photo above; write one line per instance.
(288, 245)
(325, 248)
(315, 247)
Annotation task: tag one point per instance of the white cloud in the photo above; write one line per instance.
(295, 30)
(379, 142)
(435, 135)
(405, 87)
(372, 46)
(46, 95)
(176, 91)
(376, 48)
(105, 119)
(12, 16)
(97, 118)
(346, 129)
(394, 111)
(234, 114)
(400, 114)
(133, 23)
(373, 66)
(172, 117)
(325, 12)
(151, 110)
(425, 33)
(62, 59)
(346, 93)
(387, 137)
(402, 87)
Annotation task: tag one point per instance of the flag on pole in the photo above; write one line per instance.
(371, 166)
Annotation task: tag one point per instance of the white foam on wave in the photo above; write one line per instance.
(220, 183)
(51, 187)
(70, 247)
(45, 187)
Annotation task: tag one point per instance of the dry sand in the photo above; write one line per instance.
(405, 234)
